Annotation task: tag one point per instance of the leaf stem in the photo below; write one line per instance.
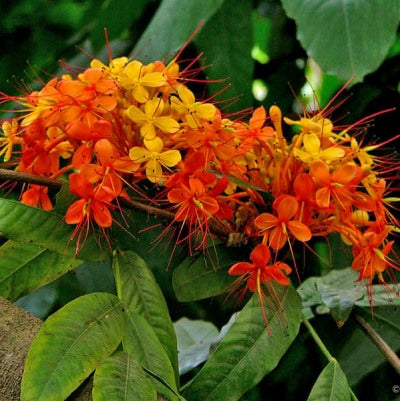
(318, 340)
(380, 343)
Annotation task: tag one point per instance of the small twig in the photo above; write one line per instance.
(318, 340)
(380, 343)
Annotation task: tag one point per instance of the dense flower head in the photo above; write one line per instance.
(116, 126)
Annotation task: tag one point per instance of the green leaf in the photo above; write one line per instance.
(69, 346)
(26, 267)
(331, 385)
(248, 352)
(24, 223)
(116, 16)
(195, 338)
(205, 275)
(140, 293)
(337, 290)
(226, 43)
(346, 38)
(121, 378)
(172, 25)
(142, 343)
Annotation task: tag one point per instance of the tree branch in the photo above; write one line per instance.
(16, 176)
(380, 343)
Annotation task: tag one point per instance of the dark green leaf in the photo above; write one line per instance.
(331, 385)
(205, 275)
(346, 38)
(248, 352)
(142, 343)
(69, 346)
(140, 293)
(116, 16)
(26, 267)
(24, 223)
(172, 25)
(121, 378)
(226, 42)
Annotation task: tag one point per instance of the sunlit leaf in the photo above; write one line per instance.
(26, 267)
(142, 343)
(331, 385)
(346, 38)
(230, 29)
(121, 378)
(195, 338)
(140, 293)
(69, 346)
(24, 223)
(172, 25)
(248, 351)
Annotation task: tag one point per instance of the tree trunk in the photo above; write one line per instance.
(18, 328)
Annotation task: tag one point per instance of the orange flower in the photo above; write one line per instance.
(339, 185)
(259, 271)
(37, 195)
(95, 203)
(278, 228)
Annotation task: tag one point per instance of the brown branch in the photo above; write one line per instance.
(380, 343)
(11, 175)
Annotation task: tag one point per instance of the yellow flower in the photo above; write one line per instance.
(193, 112)
(151, 118)
(138, 78)
(312, 151)
(314, 125)
(155, 158)
(10, 138)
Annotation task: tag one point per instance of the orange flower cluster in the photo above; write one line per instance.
(114, 126)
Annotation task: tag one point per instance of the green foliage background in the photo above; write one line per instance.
(266, 57)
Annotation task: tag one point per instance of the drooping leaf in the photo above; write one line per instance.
(69, 346)
(172, 25)
(140, 293)
(248, 352)
(346, 38)
(331, 385)
(229, 29)
(24, 223)
(142, 343)
(121, 378)
(195, 338)
(205, 275)
(26, 267)
(340, 291)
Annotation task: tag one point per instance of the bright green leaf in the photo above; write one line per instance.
(24, 223)
(26, 267)
(172, 25)
(205, 275)
(248, 352)
(140, 293)
(331, 385)
(346, 38)
(69, 346)
(142, 343)
(226, 43)
(121, 378)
